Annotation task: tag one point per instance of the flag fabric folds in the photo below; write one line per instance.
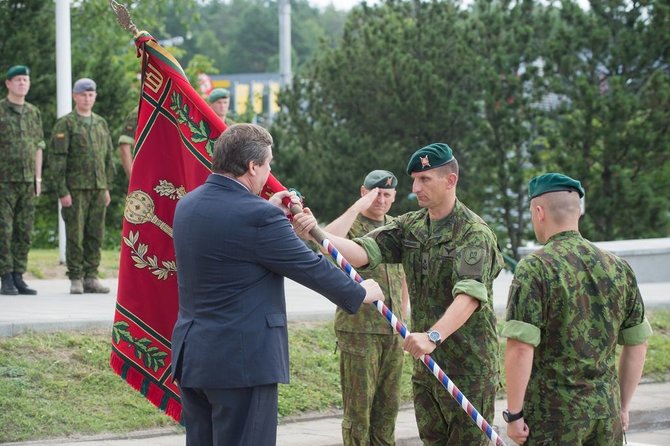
(173, 150)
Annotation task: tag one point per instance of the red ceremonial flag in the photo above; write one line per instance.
(174, 140)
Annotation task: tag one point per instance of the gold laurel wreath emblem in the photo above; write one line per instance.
(139, 210)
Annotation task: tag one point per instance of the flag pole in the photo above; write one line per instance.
(320, 236)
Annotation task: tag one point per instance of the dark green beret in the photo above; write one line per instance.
(18, 70)
(426, 158)
(553, 182)
(382, 179)
(84, 84)
(218, 93)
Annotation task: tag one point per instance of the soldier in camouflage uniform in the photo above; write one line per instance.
(450, 257)
(570, 304)
(371, 355)
(21, 145)
(81, 169)
(219, 101)
(127, 141)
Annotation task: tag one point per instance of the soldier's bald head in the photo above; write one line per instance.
(562, 207)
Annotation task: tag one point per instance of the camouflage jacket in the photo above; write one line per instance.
(455, 255)
(21, 135)
(573, 302)
(389, 276)
(129, 128)
(80, 154)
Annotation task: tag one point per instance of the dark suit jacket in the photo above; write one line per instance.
(233, 250)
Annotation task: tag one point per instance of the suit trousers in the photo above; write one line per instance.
(230, 417)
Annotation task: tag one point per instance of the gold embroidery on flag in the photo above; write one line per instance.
(140, 209)
(153, 78)
(139, 256)
(167, 189)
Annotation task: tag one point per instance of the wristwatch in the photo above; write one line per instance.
(434, 336)
(509, 417)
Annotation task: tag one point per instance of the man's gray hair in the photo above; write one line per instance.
(238, 146)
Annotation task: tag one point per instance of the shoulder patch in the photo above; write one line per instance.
(473, 256)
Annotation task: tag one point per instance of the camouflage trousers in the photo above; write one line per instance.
(602, 432)
(370, 372)
(441, 420)
(17, 213)
(84, 229)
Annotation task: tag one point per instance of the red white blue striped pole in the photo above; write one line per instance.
(401, 329)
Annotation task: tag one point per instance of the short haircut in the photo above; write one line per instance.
(238, 146)
(450, 167)
(563, 207)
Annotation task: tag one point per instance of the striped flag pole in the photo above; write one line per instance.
(401, 329)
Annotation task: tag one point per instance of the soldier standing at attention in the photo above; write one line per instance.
(81, 169)
(127, 141)
(219, 101)
(371, 355)
(21, 145)
(450, 257)
(569, 305)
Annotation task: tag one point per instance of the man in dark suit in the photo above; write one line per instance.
(233, 248)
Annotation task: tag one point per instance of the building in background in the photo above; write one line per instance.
(253, 95)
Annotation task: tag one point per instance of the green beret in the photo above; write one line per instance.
(18, 70)
(83, 84)
(426, 158)
(218, 93)
(382, 179)
(553, 182)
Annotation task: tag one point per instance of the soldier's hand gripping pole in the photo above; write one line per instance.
(401, 329)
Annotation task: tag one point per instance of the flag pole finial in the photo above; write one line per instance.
(123, 17)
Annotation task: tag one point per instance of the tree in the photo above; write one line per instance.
(507, 38)
(386, 90)
(610, 64)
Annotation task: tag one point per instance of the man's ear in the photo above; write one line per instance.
(251, 168)
(540, 213)
(452, 179)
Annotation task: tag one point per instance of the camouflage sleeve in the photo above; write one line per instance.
(473, 264)
(110, 169)
(40, 143)
(57, 157)
(382, 245)
(635, 329)
(128, 132)
(524, 319)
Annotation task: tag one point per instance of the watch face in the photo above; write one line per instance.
(434, 336)
(506, 416)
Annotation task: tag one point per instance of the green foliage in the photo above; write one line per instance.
(515, 87)
(610, 67)
(347, 115)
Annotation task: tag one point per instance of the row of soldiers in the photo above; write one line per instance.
(80, 169)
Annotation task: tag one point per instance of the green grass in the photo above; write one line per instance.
(45, 264)
(55, 385)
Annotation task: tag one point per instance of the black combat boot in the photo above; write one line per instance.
(21, 285)
(8, 286)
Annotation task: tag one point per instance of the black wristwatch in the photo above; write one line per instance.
(434, 336)
(509, 417)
